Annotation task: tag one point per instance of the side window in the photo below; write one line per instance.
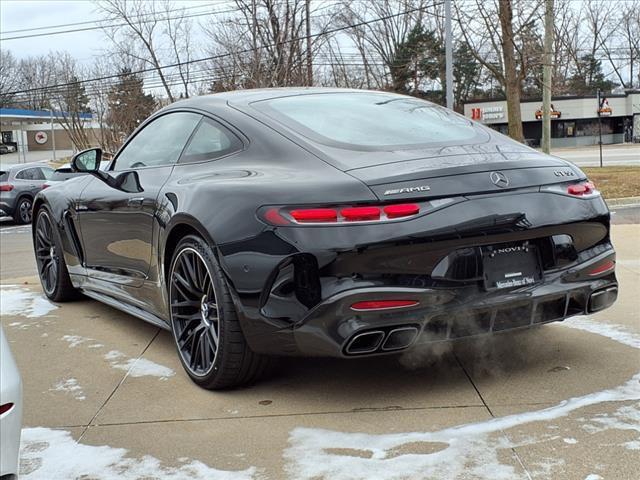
(46, 172)
(210, 141)
(159, 143)
(27, 174)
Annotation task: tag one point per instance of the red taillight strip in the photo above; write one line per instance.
(360, 214)
(7, 187)
(5, 408)
(368, 305)
(401, 210)
(605, 267)
(315, 215)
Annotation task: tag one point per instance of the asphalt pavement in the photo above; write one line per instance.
(106, 398)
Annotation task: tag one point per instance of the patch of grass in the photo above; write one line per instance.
(615, 182)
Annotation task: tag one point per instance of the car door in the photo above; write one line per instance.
(117, 224)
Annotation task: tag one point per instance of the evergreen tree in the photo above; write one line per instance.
(128, 104)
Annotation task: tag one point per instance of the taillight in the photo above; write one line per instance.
(339, 215)
(383, 304)
(7, 187)
(580, 189)
(5, 408)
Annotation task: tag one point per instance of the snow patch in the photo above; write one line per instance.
(472, 451)
(71, 386)
(614, 332)
(138, 367)
(75, 340)
(55, 455)
(15, 300)
(570, 441)
(626, 417)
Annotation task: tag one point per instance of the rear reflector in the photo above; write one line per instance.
(383, 304)
(401, 210)
(5, 408)
(315, 215)
(600, 269)
(7, 187)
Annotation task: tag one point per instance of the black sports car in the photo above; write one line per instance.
(323, 222)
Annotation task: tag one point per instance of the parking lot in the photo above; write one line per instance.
(106, 397)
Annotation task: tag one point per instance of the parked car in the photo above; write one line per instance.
(10, 412)
(324, 222)
(65, 172)
(19, 184)
(6, 148)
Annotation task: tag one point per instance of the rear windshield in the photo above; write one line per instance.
(371, 120)
(4, 176)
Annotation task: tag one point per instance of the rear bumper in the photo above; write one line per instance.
(333, 329)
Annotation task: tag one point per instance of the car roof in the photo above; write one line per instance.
(20, 166)
(244, 97)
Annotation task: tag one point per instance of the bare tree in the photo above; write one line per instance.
(9, 77)
(156, 34)
(263, 45)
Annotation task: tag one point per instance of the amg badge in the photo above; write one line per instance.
(397, 191)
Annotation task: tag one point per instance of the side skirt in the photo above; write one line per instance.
(130, 309)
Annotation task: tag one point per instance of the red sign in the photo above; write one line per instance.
(476, 114)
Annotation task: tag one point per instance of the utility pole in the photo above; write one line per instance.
(547, 79)
(53, 136)
(599, 125)
(448, 53)
(307, 8)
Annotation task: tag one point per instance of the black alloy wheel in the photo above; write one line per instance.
(47, 258)
(194, 312)
(23, 210)
(52, 268)
(204, 321)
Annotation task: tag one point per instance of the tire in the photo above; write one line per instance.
(52, 269)
(23, 212)
(202, 311)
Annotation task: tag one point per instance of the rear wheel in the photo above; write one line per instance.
(205, 325)
(52, 268)
(22, 214)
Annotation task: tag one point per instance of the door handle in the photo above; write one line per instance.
(135, 201)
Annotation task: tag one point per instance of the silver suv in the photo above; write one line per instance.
(18, 185)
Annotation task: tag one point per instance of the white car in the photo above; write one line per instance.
(10, 412)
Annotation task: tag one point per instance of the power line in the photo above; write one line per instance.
(97, 21)
(215, 57)
(85, 29)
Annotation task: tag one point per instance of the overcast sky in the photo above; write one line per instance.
(21, 14)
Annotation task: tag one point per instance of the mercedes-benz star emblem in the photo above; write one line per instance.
(499, 179)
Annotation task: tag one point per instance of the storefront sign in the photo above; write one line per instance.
(605, 110)
(41, 137)
(488, 113)
(554, 113)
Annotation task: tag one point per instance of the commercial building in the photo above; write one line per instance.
(574, 120)
(32, 130)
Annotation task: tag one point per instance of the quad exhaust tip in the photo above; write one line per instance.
(387, 341)
(400, 338)
(366, 342)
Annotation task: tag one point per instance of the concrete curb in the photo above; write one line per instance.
(623, 202)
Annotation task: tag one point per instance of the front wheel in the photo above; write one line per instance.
(52, 269)
(205, 325)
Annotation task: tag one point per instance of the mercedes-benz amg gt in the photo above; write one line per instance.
(323, 222)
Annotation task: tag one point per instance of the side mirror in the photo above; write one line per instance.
(87, 161)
